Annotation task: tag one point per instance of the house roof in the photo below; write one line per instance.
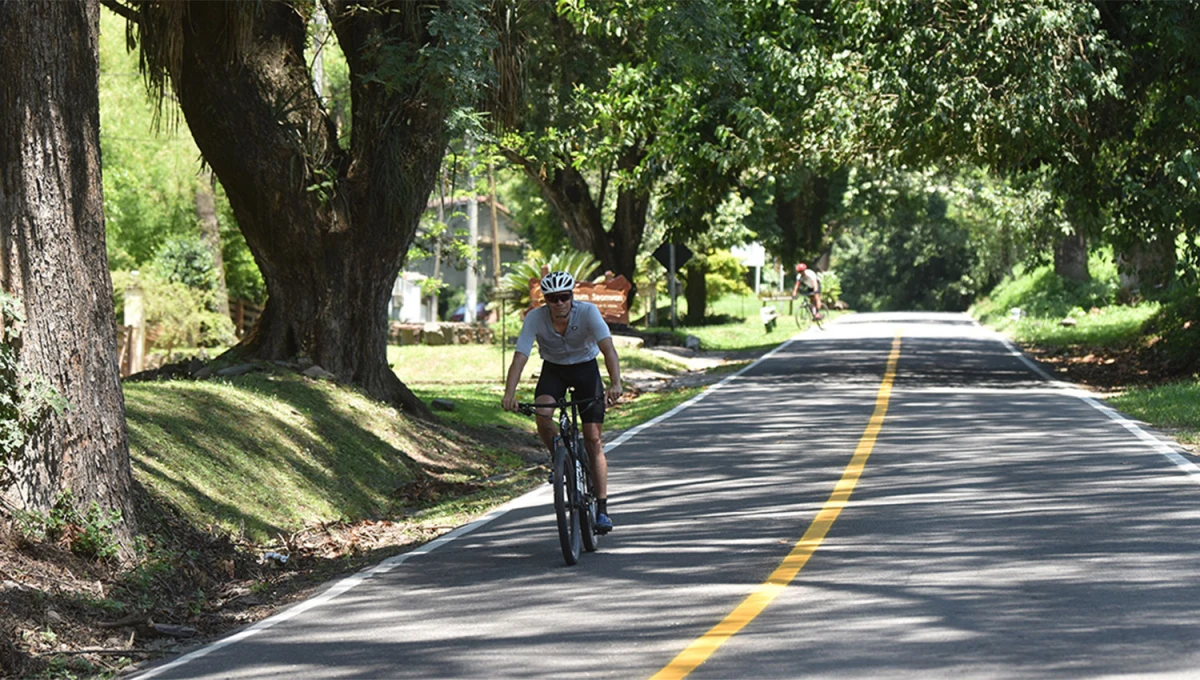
(480, 198)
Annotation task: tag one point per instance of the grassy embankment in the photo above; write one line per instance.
(1145, 353)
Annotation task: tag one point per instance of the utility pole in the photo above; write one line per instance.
(671, 286)
(495, 232)
(472, 243)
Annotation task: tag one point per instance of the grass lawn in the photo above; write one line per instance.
(1174, 407)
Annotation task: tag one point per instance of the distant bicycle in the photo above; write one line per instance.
(574, 495)
(806, 313)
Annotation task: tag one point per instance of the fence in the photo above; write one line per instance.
(244, 314)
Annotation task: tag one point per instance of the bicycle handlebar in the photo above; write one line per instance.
(528, 408)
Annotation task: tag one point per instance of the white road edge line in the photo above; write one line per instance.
(1168, 449)
(346, 584)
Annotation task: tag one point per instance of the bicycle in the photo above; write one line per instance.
(806, 313)
(574, 495)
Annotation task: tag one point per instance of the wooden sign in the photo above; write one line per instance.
(609, 295)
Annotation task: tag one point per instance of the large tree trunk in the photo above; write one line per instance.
(1071, 257)
(1147, 264)
(52, 256)
(328, 228)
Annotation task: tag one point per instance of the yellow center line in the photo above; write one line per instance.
(705, 646)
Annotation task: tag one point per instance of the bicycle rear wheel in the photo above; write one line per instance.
(566, 506)
(587, 500)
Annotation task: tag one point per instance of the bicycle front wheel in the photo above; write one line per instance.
(566, 505)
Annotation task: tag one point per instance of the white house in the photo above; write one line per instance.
(407, 307)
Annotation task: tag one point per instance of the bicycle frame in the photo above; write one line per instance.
(574, 498)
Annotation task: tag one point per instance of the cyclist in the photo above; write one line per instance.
(812, 287)
(570, 335)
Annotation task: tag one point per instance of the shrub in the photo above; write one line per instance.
(88, 534)
(181, 315)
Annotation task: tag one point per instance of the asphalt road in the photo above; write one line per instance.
(825, 513)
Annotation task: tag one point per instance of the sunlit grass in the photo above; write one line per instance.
(272, 452)
(745, 329)
(1175, 406)
(1112, 326)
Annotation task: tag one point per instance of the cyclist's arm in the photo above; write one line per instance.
(509, 401)
(613, 364)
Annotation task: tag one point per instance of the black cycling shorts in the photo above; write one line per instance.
(584, 378)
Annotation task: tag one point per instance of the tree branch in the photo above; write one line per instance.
(122, 10)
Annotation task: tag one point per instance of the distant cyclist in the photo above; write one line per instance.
(570, 335)
(808, 280)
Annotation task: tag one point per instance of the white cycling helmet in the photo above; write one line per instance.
(556, 282)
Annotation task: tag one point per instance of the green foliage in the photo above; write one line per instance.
(1043, 294)
(1045, 299)
(150, 160)
(515, 282)
(26, 400)
(921, 240)
(187, 261)
(723, 275)
(726, 276)
(537, 222)
(89, 534)
(831, 287)
(1176, 328)
(176, 315)
(150, 173)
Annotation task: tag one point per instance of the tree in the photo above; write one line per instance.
(1015, 86)
(52, 257)
(573, 111)
(329, 225)
(1150, 159)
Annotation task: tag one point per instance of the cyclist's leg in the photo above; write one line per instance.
(587, 382)
(590, 382)
(551, 387)
(595, 449)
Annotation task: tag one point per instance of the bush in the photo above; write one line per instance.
(1177, 328)
(1042, 293)
(187, 261)
(182, 316)
(515, 284)
(88, 534)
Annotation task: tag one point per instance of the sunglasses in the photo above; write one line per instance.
(558, 297)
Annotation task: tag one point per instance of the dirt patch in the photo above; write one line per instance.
(1104, 370)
